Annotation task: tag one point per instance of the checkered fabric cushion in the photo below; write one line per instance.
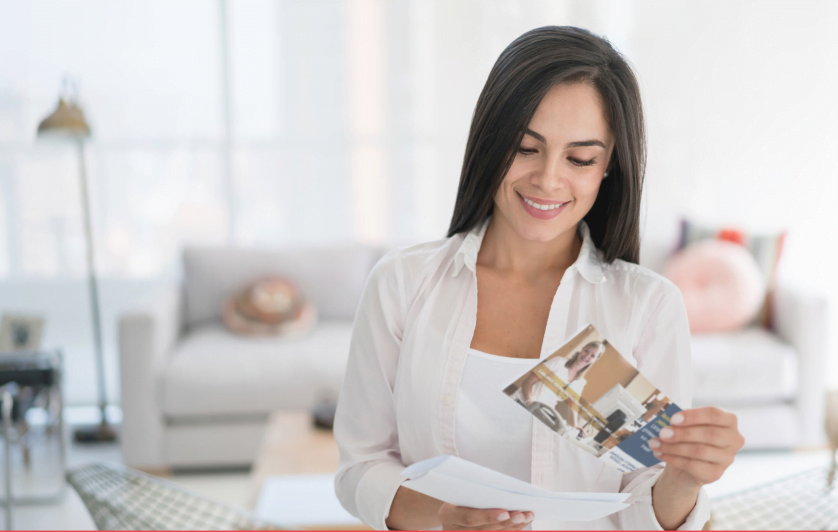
(120, 498)
(799, 502)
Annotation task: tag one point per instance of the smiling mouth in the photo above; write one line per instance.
(548, 207)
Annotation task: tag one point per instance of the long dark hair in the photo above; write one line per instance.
(522, 75)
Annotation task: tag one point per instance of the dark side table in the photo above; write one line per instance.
(28, 379)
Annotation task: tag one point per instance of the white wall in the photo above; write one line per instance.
(743, 125)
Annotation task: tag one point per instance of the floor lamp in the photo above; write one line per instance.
(68, 121)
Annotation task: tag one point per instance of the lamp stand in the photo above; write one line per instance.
(102, 432)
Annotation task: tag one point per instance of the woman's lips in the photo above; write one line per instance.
(539, 213)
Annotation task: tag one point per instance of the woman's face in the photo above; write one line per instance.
(588, 355)
(555, 176)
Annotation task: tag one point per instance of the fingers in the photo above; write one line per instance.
(471, 517)
(695, 451)
(708, 415)
(703, 472)
(702, 442)
(517, 521)
(708, 425)
(723, 436)
(462, 518)
(706, 434)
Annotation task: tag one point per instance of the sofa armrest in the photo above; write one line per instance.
(802, 319)
(147, 336)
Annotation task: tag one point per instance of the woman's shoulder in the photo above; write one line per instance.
(413, 263)
(639, 282)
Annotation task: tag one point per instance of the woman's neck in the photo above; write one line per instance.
(573, 371)
(504, 249)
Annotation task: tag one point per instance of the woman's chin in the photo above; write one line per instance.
(538, 231)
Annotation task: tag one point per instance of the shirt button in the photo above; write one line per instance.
(446, 400)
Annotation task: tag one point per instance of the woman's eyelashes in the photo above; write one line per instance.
(577, 162)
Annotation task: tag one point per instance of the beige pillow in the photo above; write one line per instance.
(269, 307)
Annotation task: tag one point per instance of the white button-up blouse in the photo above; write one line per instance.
(410, 341)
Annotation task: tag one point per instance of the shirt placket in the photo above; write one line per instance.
(544, 462)
(453, 371)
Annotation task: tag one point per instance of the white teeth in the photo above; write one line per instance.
(542, 207)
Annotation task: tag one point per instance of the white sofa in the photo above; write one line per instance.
(774, 381)
(194, 395)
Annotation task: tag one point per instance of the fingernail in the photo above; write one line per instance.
(518, 519)
(667, 433)
(657, 453)
(654, 444)
(503, 517)
(530, 517)
(677, 419)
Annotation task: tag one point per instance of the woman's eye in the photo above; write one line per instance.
(526, 151)
(579, 162)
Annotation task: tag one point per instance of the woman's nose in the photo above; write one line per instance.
(551, 177)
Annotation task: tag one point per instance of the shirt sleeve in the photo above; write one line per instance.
(663, 357)
(365, 422)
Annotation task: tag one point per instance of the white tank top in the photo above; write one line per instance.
(490, 428)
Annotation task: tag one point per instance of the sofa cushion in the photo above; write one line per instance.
(747, 367)
(215, 373)
(332, 278)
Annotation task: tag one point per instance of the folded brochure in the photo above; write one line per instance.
(463, 483)
(589, 394)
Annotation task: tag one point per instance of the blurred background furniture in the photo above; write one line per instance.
(799, 502)
(293, 477)
(831, 426)
(774, 379)
(119, 498)
(196, 395)
(68, 122)
(27, 380)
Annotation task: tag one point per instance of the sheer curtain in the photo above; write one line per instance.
(286, 122)
(342, 120)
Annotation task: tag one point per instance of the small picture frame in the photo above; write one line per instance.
(20, 333)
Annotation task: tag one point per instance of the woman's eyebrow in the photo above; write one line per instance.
(537, 136)
(579, 144)
(583, 143)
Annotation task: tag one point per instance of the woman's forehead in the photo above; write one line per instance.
(571, 113)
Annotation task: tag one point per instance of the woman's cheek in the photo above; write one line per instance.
(591, 190)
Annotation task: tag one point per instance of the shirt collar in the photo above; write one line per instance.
(588, 263)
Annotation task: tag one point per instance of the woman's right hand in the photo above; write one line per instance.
(463, 518)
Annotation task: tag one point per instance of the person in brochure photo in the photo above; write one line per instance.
(544, 240)
(570, 370)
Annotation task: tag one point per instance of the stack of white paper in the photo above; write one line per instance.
(297, 501)
(463, 483)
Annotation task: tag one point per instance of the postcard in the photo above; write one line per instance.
(589, 394)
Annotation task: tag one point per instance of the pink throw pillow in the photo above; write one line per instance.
(721, 283)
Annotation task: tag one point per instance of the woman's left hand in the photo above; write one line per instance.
(699, 445)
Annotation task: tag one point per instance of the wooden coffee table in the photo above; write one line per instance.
(292, 445)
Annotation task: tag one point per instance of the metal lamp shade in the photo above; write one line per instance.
(67, 120)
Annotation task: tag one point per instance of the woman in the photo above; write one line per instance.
(546, 230)
(569, 370)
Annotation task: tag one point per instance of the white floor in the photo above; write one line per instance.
(750, 469)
